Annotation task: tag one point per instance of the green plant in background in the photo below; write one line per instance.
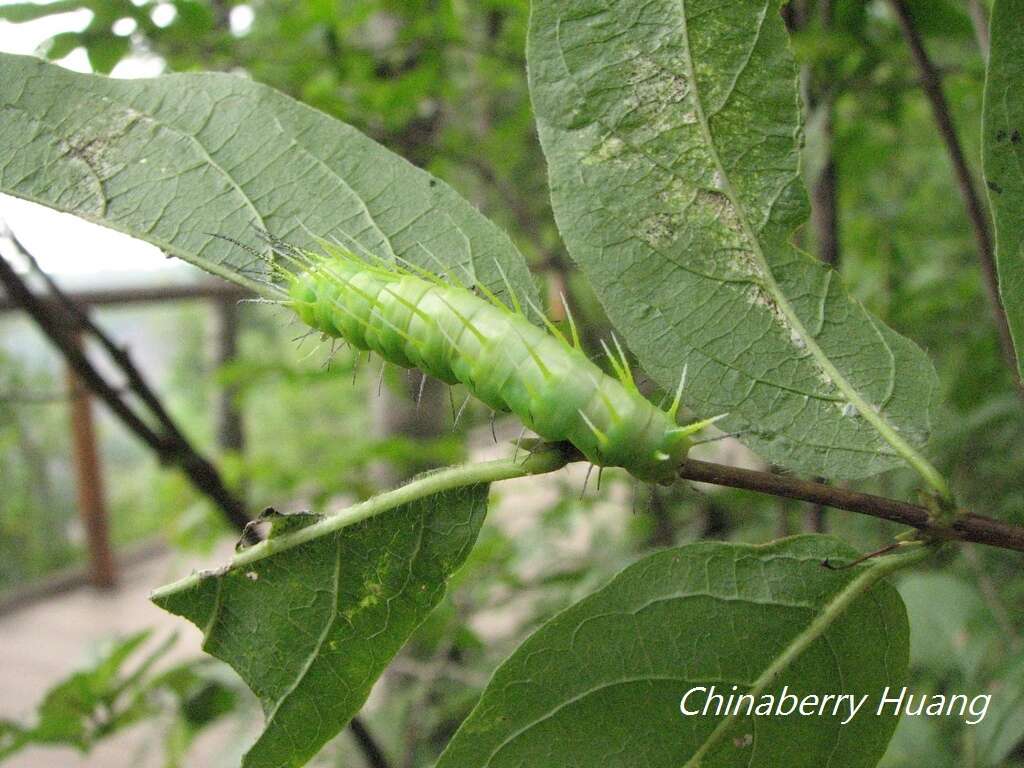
(672, 138)
(34, 518)
(119, 689)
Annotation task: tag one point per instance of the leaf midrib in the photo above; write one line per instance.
(769, 284)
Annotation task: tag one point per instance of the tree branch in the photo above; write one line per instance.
(931, 83)
(969, 527)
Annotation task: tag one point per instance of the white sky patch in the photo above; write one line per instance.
(65, 244)
(123, 27)
(241, 19)
(163, 14)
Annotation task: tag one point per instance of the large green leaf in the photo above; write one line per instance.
(173, 159)
(601, 683)
(672, 133)
(311, 627)
(1003, 137)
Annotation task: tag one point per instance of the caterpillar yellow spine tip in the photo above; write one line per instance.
(628, 379)
(673, 410)
(697, 426)
(516, 306)
(572, 322)
(602, 438)
(552, 328)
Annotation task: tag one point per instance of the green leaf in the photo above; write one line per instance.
(173, 159)
(311, 627)
(62, 44)
(672, 133)
(601, 683)
(21, 12)
(1001, 730)
(1003, 150)
(945, 611)
(91, 703)
(105, 52)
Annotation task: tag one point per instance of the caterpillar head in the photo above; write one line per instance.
(675, 444)
(663, 463)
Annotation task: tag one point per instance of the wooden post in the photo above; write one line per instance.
(89, 482)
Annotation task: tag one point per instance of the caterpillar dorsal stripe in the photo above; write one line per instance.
(414, 319)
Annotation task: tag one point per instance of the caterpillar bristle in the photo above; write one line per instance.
(697, 426)
(407, 304)
(445, 271)
(491, 297)
(629, 380)
(516, 306)
(552, 328)
(612, 411)
(620, 372)
(545, 371)
(602, 438)
(463, 319)
(419, 271)
(572, 322)
(673, 409)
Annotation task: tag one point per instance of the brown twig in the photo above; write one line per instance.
(968, 527)
(931, 83)
(368, 744)
(167, 441)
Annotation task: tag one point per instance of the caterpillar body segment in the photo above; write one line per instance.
(501, 357)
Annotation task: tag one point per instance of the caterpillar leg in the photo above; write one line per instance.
(461, 409)
(519, 442)
(586, 479)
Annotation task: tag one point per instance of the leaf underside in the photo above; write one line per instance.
(601, 683)
(672, 133)
(1003, 152)
(311, 628)
(176, 159)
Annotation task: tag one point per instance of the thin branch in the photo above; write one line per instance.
(167, 442)
(968, 527)
(931, 82)
(368, 744)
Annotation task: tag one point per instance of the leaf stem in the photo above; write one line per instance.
(966, 527)
(426, 485)
(913, 552)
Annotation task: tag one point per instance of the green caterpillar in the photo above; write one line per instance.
(412, 318)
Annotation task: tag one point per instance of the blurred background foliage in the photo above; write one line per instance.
(442, 82)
